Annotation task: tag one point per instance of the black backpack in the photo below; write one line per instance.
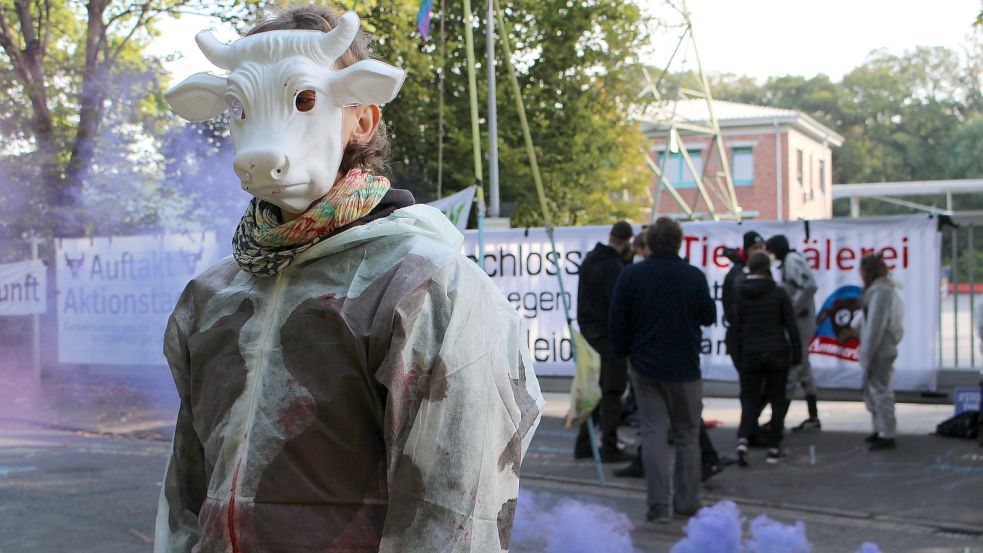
(963, 425)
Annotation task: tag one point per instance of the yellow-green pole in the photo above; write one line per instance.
(475, 132)
(547, 218)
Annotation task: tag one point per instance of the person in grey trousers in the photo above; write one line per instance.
(881, 331)
(799, 282)
(657, 309)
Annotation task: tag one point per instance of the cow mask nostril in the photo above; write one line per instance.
(305, 100)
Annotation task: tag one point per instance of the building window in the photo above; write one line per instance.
(742, 166)
(798, 167)
(678, 172)
(822, 174)
(812, 183)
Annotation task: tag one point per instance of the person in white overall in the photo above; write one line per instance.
(799, 282)
(881, 331)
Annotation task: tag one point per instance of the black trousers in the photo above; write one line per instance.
(613, 381)
(770, 373)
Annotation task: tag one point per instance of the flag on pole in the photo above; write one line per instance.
(423, 18)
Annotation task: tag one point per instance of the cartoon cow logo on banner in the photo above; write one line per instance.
(287, 99)
(836, 334)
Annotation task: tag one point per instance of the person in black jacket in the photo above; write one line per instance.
(753, 242)
(657, 310)
(598, 273)
(768, 344)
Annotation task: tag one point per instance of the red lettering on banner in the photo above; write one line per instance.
(843, 256)
(904, 252)
(719, 259)
(890, 254)
(812, 256)
(688, 246)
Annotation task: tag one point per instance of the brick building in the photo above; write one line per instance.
(780, 159)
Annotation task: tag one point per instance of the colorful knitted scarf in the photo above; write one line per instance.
(264, 245)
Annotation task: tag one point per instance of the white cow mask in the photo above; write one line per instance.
(285, 156)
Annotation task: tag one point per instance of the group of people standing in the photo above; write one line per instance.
(642, 307)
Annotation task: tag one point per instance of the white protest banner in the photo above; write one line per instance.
(516, 260)
(457, 207)
(115, 294)
(23, 288)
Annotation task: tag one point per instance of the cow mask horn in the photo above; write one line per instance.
(285, 156)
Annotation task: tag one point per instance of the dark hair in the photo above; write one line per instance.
(664, 237)
(872, 267)
(759, 264)
(620, 233)
(639, 241)
(373, 155)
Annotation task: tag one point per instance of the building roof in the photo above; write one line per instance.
(695, 113)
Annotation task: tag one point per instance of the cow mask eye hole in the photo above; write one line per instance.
(305, 100)
(238, 112)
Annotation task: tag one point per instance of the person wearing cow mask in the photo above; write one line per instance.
(348, 380)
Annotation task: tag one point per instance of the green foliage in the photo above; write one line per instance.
(897, 114)
(80, 110)
(572, 60)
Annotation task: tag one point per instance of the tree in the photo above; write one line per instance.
(573, 62)
(73, 63)
(895, 112)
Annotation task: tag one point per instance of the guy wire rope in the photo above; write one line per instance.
(547, 219)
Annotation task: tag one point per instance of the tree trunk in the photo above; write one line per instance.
(90, 103)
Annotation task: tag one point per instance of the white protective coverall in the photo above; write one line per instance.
(377, 395)
(881, 331)
(798, 281)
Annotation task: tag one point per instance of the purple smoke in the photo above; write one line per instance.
(770, 536)
(545, 524)
(720, 529)
(714, 529)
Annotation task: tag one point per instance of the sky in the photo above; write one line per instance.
(760, 38)
(763, 38)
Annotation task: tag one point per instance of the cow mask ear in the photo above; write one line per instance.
(366, 82)
(200, 97)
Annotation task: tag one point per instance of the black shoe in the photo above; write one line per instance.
(634, 470)
(872, 438)
(743, 458)
(809, 425)
(881, 443)
(658, 513)
(686, 513)
(775, 455)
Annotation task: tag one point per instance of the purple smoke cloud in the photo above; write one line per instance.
(770, 536)
(720, 529)
(714, 529)
(569, 526)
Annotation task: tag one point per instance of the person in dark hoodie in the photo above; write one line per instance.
(753, 242)
(598, 273)
(768, 344)
(657, 310)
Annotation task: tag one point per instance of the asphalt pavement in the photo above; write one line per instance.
(80, 472)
